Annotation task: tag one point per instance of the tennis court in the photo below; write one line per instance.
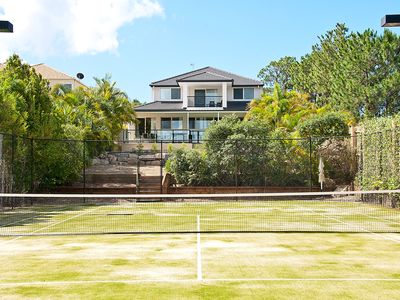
(253, 248)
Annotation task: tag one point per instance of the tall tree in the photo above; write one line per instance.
(359, 72)
(24, 99)
(279, 72)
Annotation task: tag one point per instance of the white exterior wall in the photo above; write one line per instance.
(257, 93)
(193, 86)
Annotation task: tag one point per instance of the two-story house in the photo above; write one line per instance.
(183, 106)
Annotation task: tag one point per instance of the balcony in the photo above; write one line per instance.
(204, 101)
(164, 135)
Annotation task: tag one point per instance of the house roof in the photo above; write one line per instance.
(49, 73)
(160, 106)
(207, 74)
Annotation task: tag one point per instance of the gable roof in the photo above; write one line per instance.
(160, 106)
(207, 74)
(50, 73)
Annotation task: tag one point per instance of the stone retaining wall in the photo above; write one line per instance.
(128, 159)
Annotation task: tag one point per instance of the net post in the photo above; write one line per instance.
(310, 162)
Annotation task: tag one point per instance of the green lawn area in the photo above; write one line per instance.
(234, 265)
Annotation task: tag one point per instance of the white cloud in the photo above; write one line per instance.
(49, 27)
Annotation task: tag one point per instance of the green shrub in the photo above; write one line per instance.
(322, 127)
(189, 167)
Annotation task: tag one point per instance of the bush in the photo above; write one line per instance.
(243, 153)
(322, 127)
(189, 167)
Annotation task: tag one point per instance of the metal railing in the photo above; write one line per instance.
(165, 135)
(204, 101)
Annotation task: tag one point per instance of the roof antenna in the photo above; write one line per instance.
(192, 65)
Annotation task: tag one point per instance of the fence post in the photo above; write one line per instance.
(12, 162)
(161, 167)
(236, 166)
(138, 170)
(310, 162)
(12, 168)
(84, 168)
(32, 167)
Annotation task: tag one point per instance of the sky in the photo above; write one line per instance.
(140, 41)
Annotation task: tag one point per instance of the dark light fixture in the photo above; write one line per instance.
(390, 21)
(6, 26)
(80, 76)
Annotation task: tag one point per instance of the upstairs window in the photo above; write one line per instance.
(243, 93)
(170, 93)
(175, 93)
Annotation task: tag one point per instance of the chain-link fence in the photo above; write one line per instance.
(91, 166)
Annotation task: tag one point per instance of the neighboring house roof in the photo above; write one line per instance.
(50, 73)
(53, 74)
(207, 74)
(158, 106)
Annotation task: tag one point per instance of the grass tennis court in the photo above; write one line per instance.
(342, 249)
(234, 265)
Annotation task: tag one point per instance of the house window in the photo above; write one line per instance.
(175, 93)
(248, 93)
(144, 126)
(67, 86)
(200, 123)
(170, 93)
(171, 123)
(243, 93)
(237, 93)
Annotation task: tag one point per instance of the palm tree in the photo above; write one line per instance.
(114, 105)
(281, 110)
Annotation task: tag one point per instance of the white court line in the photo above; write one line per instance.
(199, 266)
(51, 225)
(133, 281)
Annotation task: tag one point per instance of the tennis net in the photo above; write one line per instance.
(57, 214)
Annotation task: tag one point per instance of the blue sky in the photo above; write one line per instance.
(237, 36)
